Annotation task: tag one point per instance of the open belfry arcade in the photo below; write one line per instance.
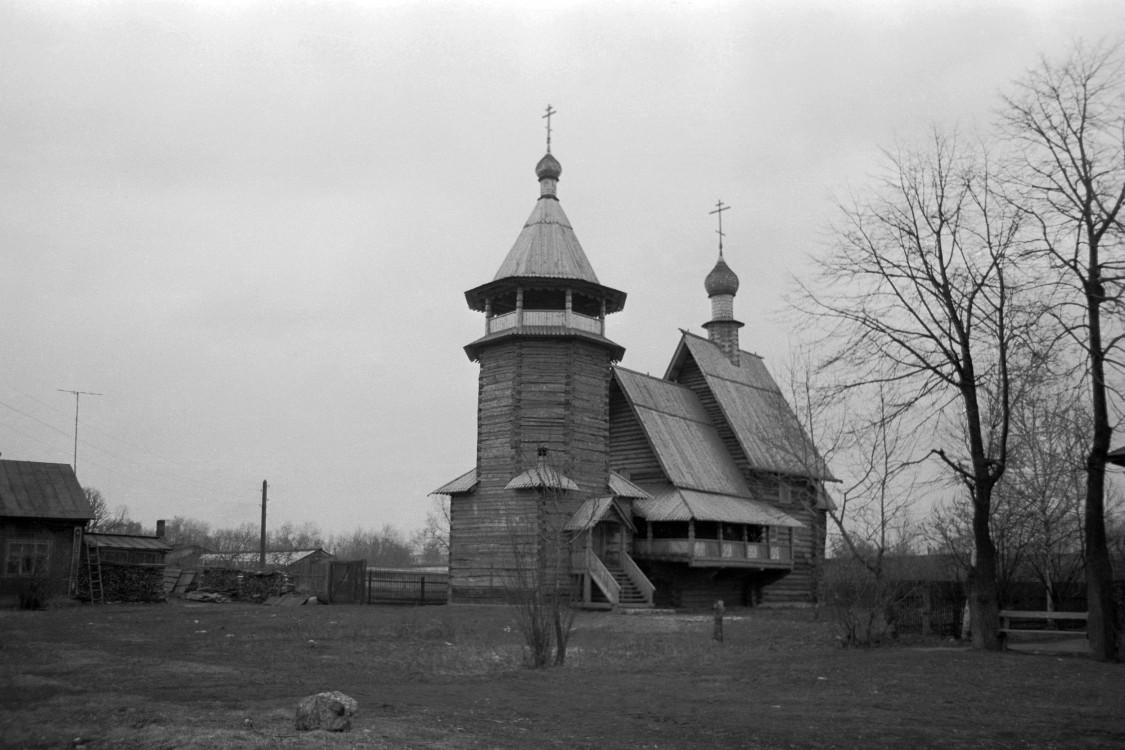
(634, 490)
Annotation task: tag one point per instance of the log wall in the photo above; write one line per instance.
(533, 393)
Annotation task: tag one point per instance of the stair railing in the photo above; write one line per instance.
(601, 576)
(637, 576)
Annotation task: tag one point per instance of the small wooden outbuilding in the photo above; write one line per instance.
(43, 511)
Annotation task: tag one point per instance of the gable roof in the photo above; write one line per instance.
(30, 489)
(754, 407)
(594, 510)
(685, 443)
(622, 487)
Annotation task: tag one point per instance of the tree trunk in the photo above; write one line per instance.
(984, 605)
(1101, 625)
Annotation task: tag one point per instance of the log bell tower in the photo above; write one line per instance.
(543, 406)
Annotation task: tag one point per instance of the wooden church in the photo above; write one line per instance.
(639, 491)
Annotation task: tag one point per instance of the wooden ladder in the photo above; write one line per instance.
(94, 570)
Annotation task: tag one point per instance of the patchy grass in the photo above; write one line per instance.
(188, 675)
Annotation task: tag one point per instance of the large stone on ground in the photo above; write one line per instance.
(331, 711)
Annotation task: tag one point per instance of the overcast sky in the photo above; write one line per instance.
(249, 225)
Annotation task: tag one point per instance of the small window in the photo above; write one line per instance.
(26, 557)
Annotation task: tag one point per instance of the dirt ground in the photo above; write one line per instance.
(187, 675)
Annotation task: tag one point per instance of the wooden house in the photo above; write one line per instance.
(43, 511)
(679, 490)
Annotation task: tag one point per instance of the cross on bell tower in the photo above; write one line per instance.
(719, 208)
(547, 117)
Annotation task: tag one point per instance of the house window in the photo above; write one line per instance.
(26, 557)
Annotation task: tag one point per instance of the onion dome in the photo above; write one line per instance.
(548, 168)
(721, 280)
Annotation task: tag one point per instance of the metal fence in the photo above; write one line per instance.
(407, 586)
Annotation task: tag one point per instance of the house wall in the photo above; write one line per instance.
(532, 392)
(60, 535)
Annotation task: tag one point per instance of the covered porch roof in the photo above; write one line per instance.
(677, 504)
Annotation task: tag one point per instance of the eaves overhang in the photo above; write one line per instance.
(476, 297)
(474, 349)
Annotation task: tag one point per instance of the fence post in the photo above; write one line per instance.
(423, 597)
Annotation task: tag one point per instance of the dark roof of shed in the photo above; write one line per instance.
(764, 424)
(126, 541)
(30, 489)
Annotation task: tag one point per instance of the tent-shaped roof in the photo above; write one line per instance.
(765, 426)
(677, 504)
(30, 489)
(547, 247)
(682, 437)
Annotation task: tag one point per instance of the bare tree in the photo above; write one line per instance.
(542, 586)
(431, 542)
(1067, 121)
(923, 294)
(106, 521)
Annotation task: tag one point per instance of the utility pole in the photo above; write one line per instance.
(262, 554)
(77, 395)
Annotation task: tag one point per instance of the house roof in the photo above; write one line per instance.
(126, 541)
(682, 437)
(622, 487)
(280, 559)
(763, 423)
(464, 483)
(547, 247)
(30, 489)
(541, 475)
(677, 504)
(1117, 456)
(594, 510)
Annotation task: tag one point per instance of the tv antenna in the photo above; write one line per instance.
(77, 397)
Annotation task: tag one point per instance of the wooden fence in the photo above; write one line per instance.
(406, 586)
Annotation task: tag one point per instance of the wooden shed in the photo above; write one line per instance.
(43, 511)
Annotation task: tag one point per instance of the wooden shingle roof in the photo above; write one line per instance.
(686, 444)
(677, 504)
(464, 483)
(764, 424)
(547, 247)
(30, 489)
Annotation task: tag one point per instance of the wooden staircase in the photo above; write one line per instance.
(631, 597)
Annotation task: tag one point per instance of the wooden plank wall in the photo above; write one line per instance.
(533, 393)
(629, 451)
